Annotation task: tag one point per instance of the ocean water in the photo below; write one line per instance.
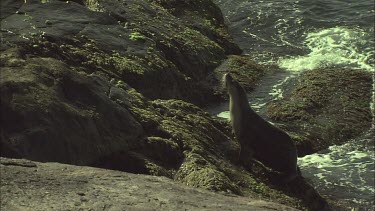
(299, 35)
(345, 172)
(284, 31)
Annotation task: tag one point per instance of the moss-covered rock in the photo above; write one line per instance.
(51, 113)
(139, 42)
(54, 113)
(198, 172)
(326, 107)
(205, 17)
(244, 70)
(111, 83)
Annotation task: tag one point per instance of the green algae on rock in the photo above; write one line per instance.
(170, 47)
(111, 84)
(242, 68)
(55, 114)
(328, 106)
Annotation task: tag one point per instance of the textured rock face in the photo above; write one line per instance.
(326, 107)
(66, 67)
(52, 113)
(102, 83)
(53, 186)
(134, 41)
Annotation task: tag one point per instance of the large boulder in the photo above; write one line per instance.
(54, 186)
(134, 41)
(51, 113)
(326, 107)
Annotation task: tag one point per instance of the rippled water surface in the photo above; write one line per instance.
(272, 30)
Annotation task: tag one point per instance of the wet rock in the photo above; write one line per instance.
(329, 106)
(111, 84)
(212, 26)
(243, 69)
(52, 113)
(136, 42)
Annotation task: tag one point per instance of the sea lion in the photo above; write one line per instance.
(258, 138)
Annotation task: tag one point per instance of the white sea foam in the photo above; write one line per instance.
(337, 46)
(277, 91)
(224, 114)
(343, 170)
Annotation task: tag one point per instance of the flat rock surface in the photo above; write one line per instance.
(28, 185)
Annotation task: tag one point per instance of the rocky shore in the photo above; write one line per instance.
(325, 107)
(27, 185)
(121, 85)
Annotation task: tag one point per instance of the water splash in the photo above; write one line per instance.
(339, 46)
(224, 114)
(344, 171)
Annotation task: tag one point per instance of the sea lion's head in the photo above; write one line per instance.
(232, 85)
